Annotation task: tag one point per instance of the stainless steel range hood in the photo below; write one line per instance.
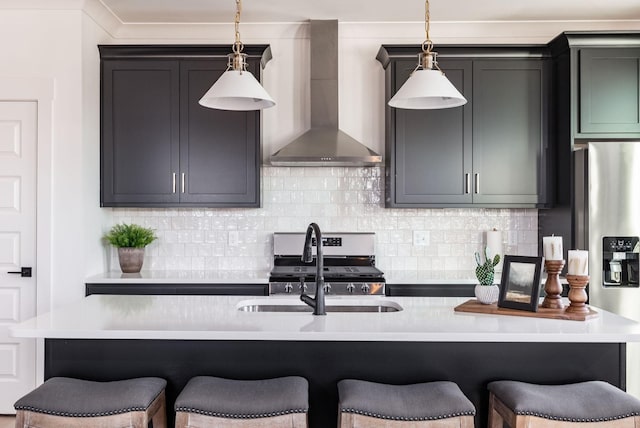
(324, 144)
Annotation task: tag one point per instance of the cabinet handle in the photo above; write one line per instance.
(183, 182)
(467, 183)
(477, 184)
(173, 175)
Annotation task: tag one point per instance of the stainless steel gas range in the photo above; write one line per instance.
(349, 265)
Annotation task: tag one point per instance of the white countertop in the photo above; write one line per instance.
(423, 319)
(181, 277)
(431, 277)
(254, 277)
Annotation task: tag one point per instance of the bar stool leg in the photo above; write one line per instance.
(158, 412)
(495, 419)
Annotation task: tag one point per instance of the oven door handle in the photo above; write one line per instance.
(303, 286)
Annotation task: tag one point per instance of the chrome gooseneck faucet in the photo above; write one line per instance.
(316, 303)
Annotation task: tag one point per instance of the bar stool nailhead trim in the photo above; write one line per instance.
(239, 415)
(402, 418)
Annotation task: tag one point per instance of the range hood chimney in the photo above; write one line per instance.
(324, 144)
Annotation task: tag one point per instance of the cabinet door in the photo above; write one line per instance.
(431, 153)
(219, 149)
(140, 132)
(509, 130)
(609, 90)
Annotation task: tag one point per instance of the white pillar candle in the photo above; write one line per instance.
(552, 247)
(494, 244)
(578, 262)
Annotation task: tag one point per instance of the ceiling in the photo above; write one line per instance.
(222, 11)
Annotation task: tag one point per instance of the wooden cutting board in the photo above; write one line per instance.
(560, 314)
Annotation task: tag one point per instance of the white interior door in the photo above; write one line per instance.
(18, 138)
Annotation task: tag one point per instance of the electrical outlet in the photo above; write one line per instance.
(234, 238)
(420, 237)
(512, 238)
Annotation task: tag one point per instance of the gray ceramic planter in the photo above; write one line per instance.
(131, 259)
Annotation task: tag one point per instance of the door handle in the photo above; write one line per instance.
(24, 272)
(173, 175)
(477, 184)
(183, 182)
(467, 183)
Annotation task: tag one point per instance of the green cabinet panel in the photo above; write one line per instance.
(491, 152)
(609, 80)
(159, 147)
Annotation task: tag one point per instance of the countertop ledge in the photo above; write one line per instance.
(423, 319)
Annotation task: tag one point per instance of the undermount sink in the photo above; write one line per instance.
(291, 305)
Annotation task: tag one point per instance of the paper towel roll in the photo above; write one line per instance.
(494, 243)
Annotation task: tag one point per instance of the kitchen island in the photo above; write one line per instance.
(105, 337)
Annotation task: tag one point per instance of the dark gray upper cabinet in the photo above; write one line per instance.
(491, 152)
(598, 86)
(159, 147)
(609, 90)
(510, 131)
(431, 157)
(140, 133)
(221, 151)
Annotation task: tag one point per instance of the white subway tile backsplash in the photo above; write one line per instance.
(338, 199)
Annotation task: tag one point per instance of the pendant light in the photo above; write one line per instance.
(427, 86)
(237, 88)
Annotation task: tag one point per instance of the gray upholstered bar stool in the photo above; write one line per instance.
(207, 401)
(421, 405)
(587, 404)
(75, 403)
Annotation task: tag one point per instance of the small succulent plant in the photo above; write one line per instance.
(486, 270)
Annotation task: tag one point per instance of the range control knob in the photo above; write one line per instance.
(327, 288)
(365, 288)
(303, 287)
(288, 288)
(351, 288)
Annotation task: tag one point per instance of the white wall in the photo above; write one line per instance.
(95, 218)
(49, 45)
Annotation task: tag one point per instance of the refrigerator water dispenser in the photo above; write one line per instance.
(620, 261)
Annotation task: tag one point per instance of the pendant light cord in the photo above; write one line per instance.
(237, 45)
(428, 57)
(427, 45)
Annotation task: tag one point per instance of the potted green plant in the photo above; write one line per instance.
(130, 240)
(486, 291)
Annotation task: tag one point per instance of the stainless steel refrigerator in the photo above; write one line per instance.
(606, 220)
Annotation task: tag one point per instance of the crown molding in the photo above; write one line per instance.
(102, 15)
(514, 32)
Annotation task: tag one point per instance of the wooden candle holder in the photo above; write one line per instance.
(577, 294)
(553, 288)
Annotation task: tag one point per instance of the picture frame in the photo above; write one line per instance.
(520, 283)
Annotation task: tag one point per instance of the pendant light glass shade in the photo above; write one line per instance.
(427, 89)
(427, 86)
(237, 89)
